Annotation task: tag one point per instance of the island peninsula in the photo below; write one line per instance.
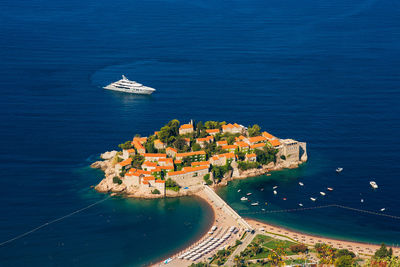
(180, 158)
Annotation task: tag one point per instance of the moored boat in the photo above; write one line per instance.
(301, 184)
(132, 87)
(339, 169)
(313, 199)
(243, 198)
(330, 188)
(249, 194)
(255, 203)
(373, 184)
(275, 192)
(322, 193)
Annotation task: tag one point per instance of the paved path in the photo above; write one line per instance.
(245, 242)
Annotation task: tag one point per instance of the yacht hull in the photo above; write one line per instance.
(136, 92)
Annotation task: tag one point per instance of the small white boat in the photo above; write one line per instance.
(275, 187)
(383, 209)
(263, 209)
(255, 203)
(262, 189)
(243, 198)
(301, 184)
(362, 200)
(239, 190)
(373, 184)
(330, 188)
(275, 192)
(301, 205)
(313, 199)
(339, 169)
(167, 261)
(322, 193)
(249, 194)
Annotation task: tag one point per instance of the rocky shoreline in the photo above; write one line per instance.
(107, 184)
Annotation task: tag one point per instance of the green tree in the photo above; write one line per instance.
(230, 140)
(254, 130)
(383, 252)
(174, 127)
(126, 145)
(179, 143)
(207, 179)
(137, 161)
(150, 147)
(196, 147)
(156, 191)
(164, 134)
(344, 261)
(344, 252)
(117, 180)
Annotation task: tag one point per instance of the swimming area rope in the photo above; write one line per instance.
(53, 221)
(323, 207)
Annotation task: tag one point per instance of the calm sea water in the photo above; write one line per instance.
(324, 72)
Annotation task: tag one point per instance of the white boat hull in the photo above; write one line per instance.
(130, 91)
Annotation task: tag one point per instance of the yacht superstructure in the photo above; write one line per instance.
(132, 87)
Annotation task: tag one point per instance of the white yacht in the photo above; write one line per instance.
(275, 192)
(322, 193)
(339, 169)
(243, 198)
(127, 86)
(255, 203)
(373, 184)
(313, 199)
(301, 184)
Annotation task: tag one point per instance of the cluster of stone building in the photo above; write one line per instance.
(149, 177)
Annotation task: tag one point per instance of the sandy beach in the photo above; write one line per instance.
(361, 249)
(223, 221)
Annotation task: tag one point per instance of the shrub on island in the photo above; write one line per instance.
(298, 248)
(207, 179)
(243, 165)
(117, 180)
(156, 192)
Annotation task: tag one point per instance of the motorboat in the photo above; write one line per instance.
(373, 184)
(322, 193)
(301, 184)
(383, 209)
(301, 205)
(275, 187)
(284, 198)
(262, 189)
(255, 203)
(243, 198)
(239, 190)
(249, 194)
(362, 200)
(275, 192)
(313, 199)
(330, 189)
(339, 169)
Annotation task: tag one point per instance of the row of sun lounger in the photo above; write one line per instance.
(206, 246)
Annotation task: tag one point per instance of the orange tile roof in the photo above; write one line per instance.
(229, 155)
(229, 125)
(252, 155)
(267, 135)
(186, 126)
(188, 154)
(176, 173)
(156, 132)
(275, 142)
(258, 145)
(141, 140)
(155, 155)
(131, 150)
(160, 181)
(126, 162)
(257, 139)
(223, 142)
(229, 147)
(157, 169)
(177, 161)
(148, 178)
(171, 148)
(158, 141)
(212, 131)
(200, 163)
(242, 144)
(187, 139)
(166, 160)
(149, 164)
(192, 169)
(145, 182)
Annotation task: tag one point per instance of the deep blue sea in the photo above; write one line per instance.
(323, 72)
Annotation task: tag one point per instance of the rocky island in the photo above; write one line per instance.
(179, 159)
